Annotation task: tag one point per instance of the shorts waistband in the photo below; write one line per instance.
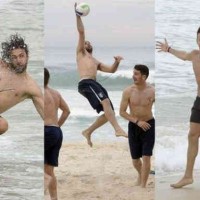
(53, 126)
(149, 121)
(86, 79)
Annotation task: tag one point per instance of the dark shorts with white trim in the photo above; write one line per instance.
(195, 112)
(94, 92)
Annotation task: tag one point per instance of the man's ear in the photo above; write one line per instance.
(144, 77)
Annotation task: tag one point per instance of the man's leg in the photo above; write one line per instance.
(138, 166)
(110, 115)
(100, 121)
(146, 166)
(47, 180)
(3, 125)
(193, 146)
(53, 183)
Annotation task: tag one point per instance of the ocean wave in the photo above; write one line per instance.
(117, 81)
(171, 149)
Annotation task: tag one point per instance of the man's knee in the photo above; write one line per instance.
(49, 170)
(107, 105)
(146, 160)
(3, 125)
(137, 163)
(194, 132)
(193, 135)
(106, 102)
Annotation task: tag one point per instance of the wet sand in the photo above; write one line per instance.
(165, 192)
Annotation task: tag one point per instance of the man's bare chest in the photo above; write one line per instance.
(144, 98)
(12, 86)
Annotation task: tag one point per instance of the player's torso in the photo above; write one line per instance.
(51, 102)
(87, 66)
(141, 103)
(13, 89)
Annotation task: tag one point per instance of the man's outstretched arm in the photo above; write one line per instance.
(38, 101)
(81, 31)
(110, 68)
(35, 93)
(164, 47)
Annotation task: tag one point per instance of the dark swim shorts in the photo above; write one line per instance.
(141, 142)
(94, 92)
(53, 142)
(195, 112)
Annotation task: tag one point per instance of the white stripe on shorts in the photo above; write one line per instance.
(95, 94)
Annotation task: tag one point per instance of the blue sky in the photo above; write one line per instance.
(109, 23)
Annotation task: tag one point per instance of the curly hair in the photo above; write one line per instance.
(15, 42)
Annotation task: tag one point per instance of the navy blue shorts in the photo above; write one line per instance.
(94, 92)
(195, 112)
(141, 142)
(52, 141)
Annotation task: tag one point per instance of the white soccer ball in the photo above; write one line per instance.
(82, 9)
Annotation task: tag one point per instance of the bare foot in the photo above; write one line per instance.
(87, 135)
(120, 133)
(182, 182)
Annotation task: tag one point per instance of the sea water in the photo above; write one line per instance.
(21, 147)
(176, 88)
(64, 78)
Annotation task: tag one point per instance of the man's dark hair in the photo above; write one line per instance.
(46, 77)
(15, 42)
(198, 31)
(144, 70)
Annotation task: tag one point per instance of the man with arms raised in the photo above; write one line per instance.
(53, 101)
(90, 88)
(194, 132)
(16, 85)
(139, 97)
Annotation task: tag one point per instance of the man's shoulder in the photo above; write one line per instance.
(54, 92)
(84, 54)
(30, 79)
(81, 53)
(151, 86)
(129, 88)
(32, 87)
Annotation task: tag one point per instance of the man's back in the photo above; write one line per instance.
(52, 104)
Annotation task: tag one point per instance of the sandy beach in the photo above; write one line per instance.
(103, 172)
(165, 192)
